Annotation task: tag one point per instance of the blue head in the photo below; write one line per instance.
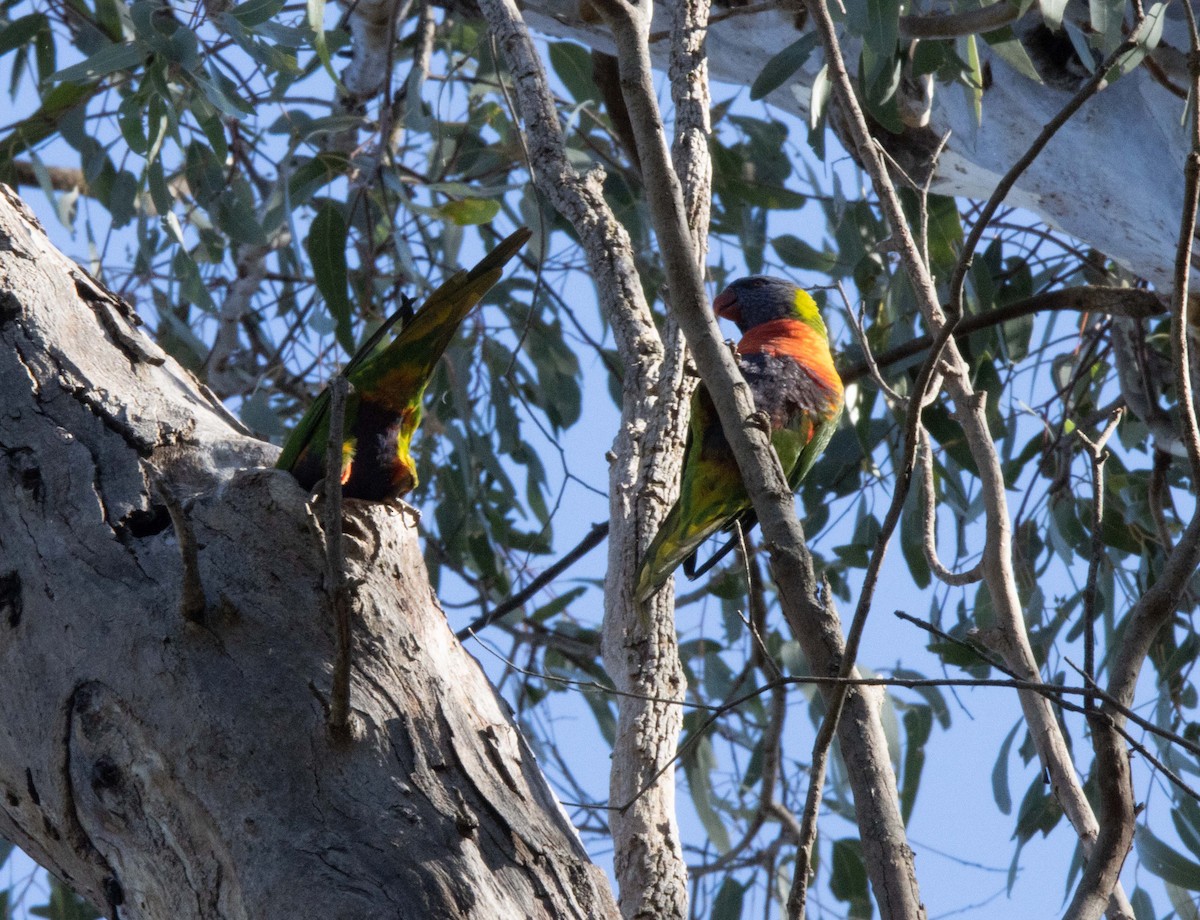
(758, 299)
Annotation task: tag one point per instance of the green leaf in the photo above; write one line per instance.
(782, 66)
(1000, 793)
(878, 22)
(573, 65)
(255, 12)
(1008, 47)
(65, 904)
(260, 417)
(1143, 907)
(1165, 862)
(848, 879)
(470, 211)
(975, 88)
(1107, 17)
(105, 61)
(945, 233)
(796, 253)
(1039, 811)
(918, 726)
(557, 606)
(912, 538)
(20, 31)
(698, 766)
(1183, 900)
(728, 903)
(601, 707)
(1151, 35)
(326, 247)
(315, 14)
(1052, 13)
(57, 106)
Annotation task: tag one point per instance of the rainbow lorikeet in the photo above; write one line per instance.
(383, 408)
(784, 356)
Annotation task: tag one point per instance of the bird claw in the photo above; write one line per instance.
(760, 420)
(405, 508)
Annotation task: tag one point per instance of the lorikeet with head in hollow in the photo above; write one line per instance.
(387, 382)
(784, 356)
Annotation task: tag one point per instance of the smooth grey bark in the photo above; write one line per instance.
(166, 768)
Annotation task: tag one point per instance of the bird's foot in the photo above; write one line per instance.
(759, 420)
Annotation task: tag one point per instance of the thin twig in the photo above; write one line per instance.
(1113, 301)
(335, 561)
(767, 803)
(1157, 496)
(1098, 455)
(929, 525)
(593, 539)
(856, 324)
(922, 390)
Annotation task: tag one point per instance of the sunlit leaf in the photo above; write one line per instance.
(470, 211)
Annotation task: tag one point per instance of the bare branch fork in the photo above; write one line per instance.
(594, 538)
(1098, 454)
(928, 380)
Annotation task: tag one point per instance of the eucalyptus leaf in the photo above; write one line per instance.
(326, 247)
(779, 69)
(102, 63)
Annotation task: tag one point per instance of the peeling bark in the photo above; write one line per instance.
(168, 768)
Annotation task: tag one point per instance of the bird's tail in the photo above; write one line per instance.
(435, 324)
(676, 540)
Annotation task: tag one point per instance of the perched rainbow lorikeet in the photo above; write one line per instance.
(784, 356)
(383, 408)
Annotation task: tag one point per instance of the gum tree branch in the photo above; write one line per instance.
(116, 757)
(639, 646)
(929, 525)
(927, 383)
(1112, 301)
(969, 405)
(1155, 608)
(811, 617)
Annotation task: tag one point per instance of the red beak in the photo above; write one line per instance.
(727, 307)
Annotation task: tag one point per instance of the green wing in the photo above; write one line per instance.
(711, 494)
(396, 374)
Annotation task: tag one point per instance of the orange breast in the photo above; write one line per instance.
(797, 340)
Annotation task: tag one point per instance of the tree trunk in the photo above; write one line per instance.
(168, 767)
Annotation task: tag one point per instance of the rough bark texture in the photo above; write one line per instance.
(184, 770)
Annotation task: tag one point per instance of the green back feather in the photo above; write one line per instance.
(396, 375)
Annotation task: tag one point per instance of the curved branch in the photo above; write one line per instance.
(929, 525)
(968, 22)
